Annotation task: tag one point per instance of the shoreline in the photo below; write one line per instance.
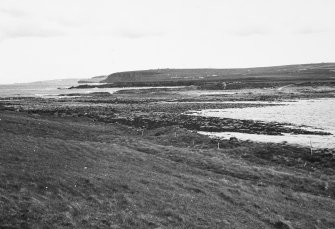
(151, 108)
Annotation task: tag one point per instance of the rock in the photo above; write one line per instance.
(35, 115)
(234, 139)
(282, 224)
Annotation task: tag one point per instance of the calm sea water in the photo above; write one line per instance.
(53, 89)
(316, 115)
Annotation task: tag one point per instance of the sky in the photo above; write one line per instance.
(54, 39)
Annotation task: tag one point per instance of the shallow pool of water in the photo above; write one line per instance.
(318, 114)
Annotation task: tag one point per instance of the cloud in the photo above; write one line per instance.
(311, 31)
(76, 20)
(250, 31)
(20, 32)
(19, 24)
(28, 30)
(136, 33)
(13, 12)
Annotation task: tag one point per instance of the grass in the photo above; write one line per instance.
(201, 76)
(75, 173)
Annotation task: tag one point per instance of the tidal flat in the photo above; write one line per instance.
(136, 159)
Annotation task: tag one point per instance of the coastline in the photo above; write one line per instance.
(85, 152)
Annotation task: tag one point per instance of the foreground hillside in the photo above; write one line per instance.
(74, 172)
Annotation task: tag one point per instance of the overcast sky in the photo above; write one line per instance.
(51, 39)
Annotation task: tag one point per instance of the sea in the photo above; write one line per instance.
(55, 89)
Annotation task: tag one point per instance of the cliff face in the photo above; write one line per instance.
(304, 71)
(132, 76)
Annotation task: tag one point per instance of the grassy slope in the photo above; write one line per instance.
(321, 71)
(75, 173)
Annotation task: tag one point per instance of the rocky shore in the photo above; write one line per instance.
(150, 114)
(210, 124)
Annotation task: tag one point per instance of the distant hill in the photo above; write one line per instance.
(285, 72)
(96, 79)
